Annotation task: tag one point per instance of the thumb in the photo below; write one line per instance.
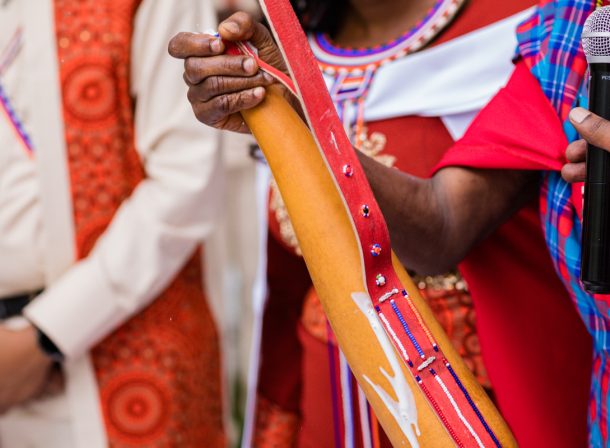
(591, 127)
(242, 26)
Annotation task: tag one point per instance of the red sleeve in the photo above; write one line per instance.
(518, 129)
(522, 307)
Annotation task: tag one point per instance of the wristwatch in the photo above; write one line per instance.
(49, 347)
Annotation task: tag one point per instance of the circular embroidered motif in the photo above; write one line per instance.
(90, 93)
(158, 374)
(138, 406)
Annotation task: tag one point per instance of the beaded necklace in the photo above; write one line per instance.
(352, 69)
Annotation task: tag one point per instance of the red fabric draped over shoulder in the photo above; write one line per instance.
(540, 331)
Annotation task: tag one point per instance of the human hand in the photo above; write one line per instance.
(25, 371)
(220, 85)
(594, 130)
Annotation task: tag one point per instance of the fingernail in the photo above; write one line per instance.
(258, 92)
(578, 115)
(267, 77)
(215, 45)
(231, 27)
(249, 65)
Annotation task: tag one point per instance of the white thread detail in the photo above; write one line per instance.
(458, 412)
(387, 295)
(394, 337)
(426, 363)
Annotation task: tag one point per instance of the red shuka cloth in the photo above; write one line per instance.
(519, 129)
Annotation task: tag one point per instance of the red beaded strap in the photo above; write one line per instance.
(402, 322)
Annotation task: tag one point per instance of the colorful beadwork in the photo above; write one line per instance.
(353, 69)
(439, 412)
(388, 295)
(415, 38)
(365, 210)
(400, 316)
(472, 403)
(380, 280)
(426, 363)
(348, 171)
(375, 250)
(15, 122)
(420, 320)
(405, 326)
(457, 409)
(394, 337)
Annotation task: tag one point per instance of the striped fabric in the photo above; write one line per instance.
(549, 43)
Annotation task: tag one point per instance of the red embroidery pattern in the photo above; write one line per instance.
(158, 374)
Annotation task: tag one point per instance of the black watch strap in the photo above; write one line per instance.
(49, 347)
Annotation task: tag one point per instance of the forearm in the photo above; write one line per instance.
(170, 212)
(132, 263)
(434, 222)
(413, 215)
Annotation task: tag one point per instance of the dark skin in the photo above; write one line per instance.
(366, 23)
(593, 129)
(372, 22)
(26, 372)
(433, 222)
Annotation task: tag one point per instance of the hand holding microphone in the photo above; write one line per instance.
(594, 130)
(595, 263)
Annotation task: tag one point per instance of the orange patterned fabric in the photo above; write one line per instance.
(158, 374)
(275, 428)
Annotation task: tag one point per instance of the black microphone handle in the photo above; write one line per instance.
(595, 263)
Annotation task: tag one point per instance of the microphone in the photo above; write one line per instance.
(595, 262)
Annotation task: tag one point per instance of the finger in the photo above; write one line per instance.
(236, 123)
(574, 172)
(185, 45)
(214, 86)
(267, 49)
(197, 69)
(577, 151)
(240, 26)
(233, 123)
(216, 111)
(592, 128)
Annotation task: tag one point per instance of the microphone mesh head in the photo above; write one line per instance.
(596, 33)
